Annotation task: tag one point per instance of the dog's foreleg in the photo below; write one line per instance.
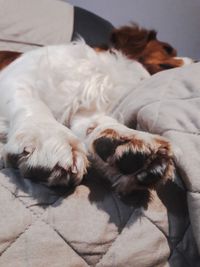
(43, 149)
(130, 159)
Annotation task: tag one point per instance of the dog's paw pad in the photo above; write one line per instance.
(105, 147)
(141, 161)
(130, 162)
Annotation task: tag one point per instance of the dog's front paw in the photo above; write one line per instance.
(140, 160)
(49, 154)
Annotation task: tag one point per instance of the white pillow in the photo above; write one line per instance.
(27, 24)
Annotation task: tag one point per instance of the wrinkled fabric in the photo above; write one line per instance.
(168, 104)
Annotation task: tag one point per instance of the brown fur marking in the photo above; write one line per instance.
(6, 57)
(142, 45)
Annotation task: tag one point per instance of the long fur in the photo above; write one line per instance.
(58, 103)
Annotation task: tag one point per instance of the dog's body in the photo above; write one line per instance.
(58, 103)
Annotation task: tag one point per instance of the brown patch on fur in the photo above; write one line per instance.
(165, 150)
(113, 134)
(163, 143)
(139, 143)
(164, 147)
(109, 133)
(142, 45)
(6, 57)
(131, 142)
(101, 48)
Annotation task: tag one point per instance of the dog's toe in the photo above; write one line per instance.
(105, 146)
(141, 161)
(58, 160)
(130, 162)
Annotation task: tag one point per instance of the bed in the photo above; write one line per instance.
(91, 225)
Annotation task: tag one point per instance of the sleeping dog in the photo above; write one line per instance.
(57, 106)
(142, 45)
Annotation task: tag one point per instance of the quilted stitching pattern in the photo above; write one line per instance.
(16, 224)
(60, 227)
(33, 235)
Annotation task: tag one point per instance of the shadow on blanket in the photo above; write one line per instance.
(100, 192)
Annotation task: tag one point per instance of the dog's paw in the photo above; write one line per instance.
(53, 156)
(136, 160)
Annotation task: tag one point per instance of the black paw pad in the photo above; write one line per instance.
(105, 147)
(131, 162)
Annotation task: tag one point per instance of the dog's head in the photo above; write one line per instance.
(142, 45)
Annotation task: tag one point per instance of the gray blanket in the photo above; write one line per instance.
(94, 227)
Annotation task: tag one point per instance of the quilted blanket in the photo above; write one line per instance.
(92, 226)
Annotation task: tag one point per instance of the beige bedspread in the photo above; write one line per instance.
(169, 104)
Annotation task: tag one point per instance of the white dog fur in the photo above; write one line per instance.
(58, 100)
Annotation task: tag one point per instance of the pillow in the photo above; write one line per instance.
(26, 24)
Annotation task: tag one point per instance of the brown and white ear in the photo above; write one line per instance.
(6, 57)
(120, 37)
(132, 39)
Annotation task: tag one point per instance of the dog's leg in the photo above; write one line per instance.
(43, 149)
(130, 159)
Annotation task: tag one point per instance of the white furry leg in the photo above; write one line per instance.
(130, 159)
(46, 152)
